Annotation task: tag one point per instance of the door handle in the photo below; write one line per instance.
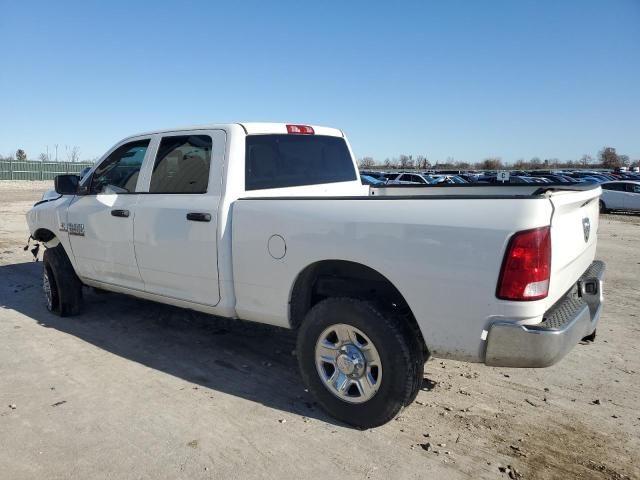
(199, 217)
(120, 213)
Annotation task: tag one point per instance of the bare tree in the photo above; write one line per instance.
(404, 161)
(492, 163)
(586, 160)
(43, 157)
(624, 160)
(73, 153)
(535, 163)
(609, 157)
(367, 162)
(520, 164)
(422, 162)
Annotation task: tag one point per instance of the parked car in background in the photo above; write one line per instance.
(447, 179)
(375, 174)
(369, 180)
(620, 195)
(411, 178)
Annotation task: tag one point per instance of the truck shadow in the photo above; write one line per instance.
(251, 361)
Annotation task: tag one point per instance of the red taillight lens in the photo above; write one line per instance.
(527, 266)
(300, 129)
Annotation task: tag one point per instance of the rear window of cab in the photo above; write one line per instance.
(278, 161)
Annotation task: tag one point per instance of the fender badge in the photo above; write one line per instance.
(586, 228)
(73, 228)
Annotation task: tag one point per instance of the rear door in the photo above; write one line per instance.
(632, 196)
(613, 195)
(100, 218)
(176, 220)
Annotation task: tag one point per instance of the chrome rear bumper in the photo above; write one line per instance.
(572, 318)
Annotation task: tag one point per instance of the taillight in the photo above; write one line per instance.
(300, 129)
(526, 267)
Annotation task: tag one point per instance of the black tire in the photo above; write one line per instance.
(399, 350)
(65, 297)
(603, 207)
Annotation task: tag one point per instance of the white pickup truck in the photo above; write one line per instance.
(269, 222)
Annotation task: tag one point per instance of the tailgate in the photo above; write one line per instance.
(574, 227)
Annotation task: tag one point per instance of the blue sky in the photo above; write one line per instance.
(461, 79)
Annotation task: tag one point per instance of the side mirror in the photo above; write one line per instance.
(66, 184)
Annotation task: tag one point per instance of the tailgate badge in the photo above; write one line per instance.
(586, 227)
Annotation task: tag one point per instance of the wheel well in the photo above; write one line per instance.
(43, 235)
(340, 278)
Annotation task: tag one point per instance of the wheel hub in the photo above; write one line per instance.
(351, 361)
(348, 363)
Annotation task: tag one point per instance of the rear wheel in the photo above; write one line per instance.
(361, 365)
(61, 286)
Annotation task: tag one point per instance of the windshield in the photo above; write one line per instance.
(277, 161)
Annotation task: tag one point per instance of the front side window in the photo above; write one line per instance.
(633, 188)
(277, 161)
(118, 173)
(182, 165)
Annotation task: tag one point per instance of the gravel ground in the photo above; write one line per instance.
(132, 389)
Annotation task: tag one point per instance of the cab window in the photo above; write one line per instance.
(182, 165)
(118, 173)
(279, 161)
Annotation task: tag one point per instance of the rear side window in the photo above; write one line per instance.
(614, 186)
(182, 165)
(118, 173)
(276, 161)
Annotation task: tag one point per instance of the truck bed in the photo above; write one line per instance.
(476, 189)
(441, 248)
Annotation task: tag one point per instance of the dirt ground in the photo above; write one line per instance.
(132, 389)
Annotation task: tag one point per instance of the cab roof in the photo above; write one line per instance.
(251, 128)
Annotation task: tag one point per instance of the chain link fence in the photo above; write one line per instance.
(37, 170)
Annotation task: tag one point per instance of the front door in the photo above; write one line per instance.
(100, 219)
(176, 220)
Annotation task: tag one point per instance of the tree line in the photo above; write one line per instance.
(607, 158)
(70, 154)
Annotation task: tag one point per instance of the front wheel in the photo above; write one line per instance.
(61, 286)
(362, 366)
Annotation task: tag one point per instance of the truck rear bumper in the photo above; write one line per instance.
(572, 318)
